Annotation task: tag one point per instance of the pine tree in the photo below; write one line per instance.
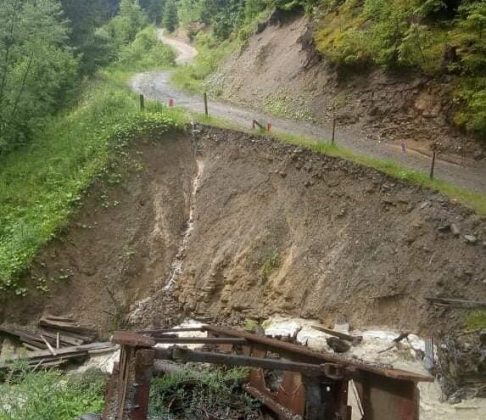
(170, 19)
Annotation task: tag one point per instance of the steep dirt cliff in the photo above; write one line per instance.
(280, 71)
(246, 226)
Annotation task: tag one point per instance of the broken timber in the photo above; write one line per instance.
(457, 303)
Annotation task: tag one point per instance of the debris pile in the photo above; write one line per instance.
(58, 339)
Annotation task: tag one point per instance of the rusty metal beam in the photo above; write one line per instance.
(282, 412)
(170, 330)
(185, 355)
(132, 339)
(201, 340)
(310, 356)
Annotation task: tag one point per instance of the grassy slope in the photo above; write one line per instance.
(41, 184)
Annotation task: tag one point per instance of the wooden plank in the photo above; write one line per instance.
(49, 347)
(70, 326)
(62, 352)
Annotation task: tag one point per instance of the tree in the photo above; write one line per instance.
(153, 9)
(37, 67)
(85, 17)
(170, 19)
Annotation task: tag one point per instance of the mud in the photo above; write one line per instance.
(121, 243)
(255, 227)
(280, 70)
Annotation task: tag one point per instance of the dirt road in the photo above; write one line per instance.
(156, 86)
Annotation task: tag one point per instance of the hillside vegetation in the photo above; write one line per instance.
(436, 38)
(49, 156)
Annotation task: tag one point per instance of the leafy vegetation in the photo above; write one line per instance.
(50, 395)
(270, 263)
(36, 67)
(191, 394)
(433, 36)
(476, 320)
(41, 183)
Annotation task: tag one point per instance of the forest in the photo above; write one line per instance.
(48, 48)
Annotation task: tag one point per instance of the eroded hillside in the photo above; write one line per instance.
(280, 70)
(248, 227)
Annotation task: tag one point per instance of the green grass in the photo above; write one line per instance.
(192, 77)
(476, 320)
(50, 395)
(41, 184)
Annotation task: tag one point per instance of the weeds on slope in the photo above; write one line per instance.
(50, 394)
(42, 183)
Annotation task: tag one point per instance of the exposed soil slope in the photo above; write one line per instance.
(122, 241)
(280, 71)
(274, 229)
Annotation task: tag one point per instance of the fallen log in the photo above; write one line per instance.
(457, 303)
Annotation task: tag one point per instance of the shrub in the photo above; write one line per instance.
(50, 395)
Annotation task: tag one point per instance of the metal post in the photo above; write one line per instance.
(206, 104)
(142, 103)
(432, 166)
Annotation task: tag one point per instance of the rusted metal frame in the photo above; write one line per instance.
(282, 412)
(132, 339)
(294, 351)
(185, 355)
(144, 362)
(132, 378)
(201, 340)
(383, 397)
(170, 330)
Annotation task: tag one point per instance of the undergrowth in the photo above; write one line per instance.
(205, 393)
(51, 395)
(41, 184)
(476, 320)
(211, 52)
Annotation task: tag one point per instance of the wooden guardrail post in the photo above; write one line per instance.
(432, 165)
(142, 103)
(333, 138)
(206, 112)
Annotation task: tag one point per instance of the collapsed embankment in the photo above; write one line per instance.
(279, 70)
(252, 227)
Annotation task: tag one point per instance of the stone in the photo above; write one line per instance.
(338, 345)
(455, 230)
(444, 228)
(470, 239)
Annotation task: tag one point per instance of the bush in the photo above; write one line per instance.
(192, 394)
(146, 52)
(50, 395)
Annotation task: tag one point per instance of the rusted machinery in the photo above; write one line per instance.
(313, 385)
